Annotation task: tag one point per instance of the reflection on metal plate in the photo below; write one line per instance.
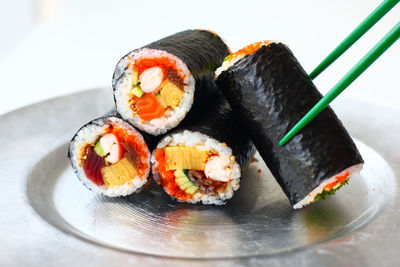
(257, 221)
(40, 195)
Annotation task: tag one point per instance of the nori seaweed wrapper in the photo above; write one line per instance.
(271, 92)
(219, 121)
(202, 51)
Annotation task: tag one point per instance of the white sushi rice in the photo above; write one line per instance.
(90, 134)
(204, 142)
(311, 196)
(124, 85)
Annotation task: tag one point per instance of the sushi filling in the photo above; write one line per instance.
(115, 160)
(157, 90)
(238, 55)
(200, 169)
(329, 186)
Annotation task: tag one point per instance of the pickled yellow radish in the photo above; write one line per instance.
(170, 94)
(118, 173)
(184, 157)
(135, 77)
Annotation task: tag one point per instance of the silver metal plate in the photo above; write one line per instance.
(41, 195)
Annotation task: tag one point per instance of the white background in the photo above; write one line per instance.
(50, 48)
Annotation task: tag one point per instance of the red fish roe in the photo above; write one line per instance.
(92, 167)
(168, 177)
(137, 146)
(250, 49)
(340, 179)
(163, 62)
(343, 177)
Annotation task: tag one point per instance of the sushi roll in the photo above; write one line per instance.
(271, 92)
(156, 86)
(110, 157)
(204, 159)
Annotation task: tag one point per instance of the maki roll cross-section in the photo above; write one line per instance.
(110, 157)
(271, 92)
(156, 86)
(170, 84)
(204, 159)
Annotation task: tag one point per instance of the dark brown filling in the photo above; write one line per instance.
(132, 156)
(173, 76)
(205, 185)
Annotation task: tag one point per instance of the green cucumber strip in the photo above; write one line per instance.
(135, 78)
(137, 91)
(99, 150)
(184, 183)
(337, 186)
(325, 193)
(181, 180)
(191, 190)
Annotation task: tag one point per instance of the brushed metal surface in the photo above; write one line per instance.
(40, 196)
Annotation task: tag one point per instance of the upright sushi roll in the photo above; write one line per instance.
(155, 86)
(110, 157)
(203, 160)
(271, 92)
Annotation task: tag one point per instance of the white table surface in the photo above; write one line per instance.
(78, 49)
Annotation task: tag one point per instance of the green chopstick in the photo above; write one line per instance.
(367, 23)
(356, 71)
